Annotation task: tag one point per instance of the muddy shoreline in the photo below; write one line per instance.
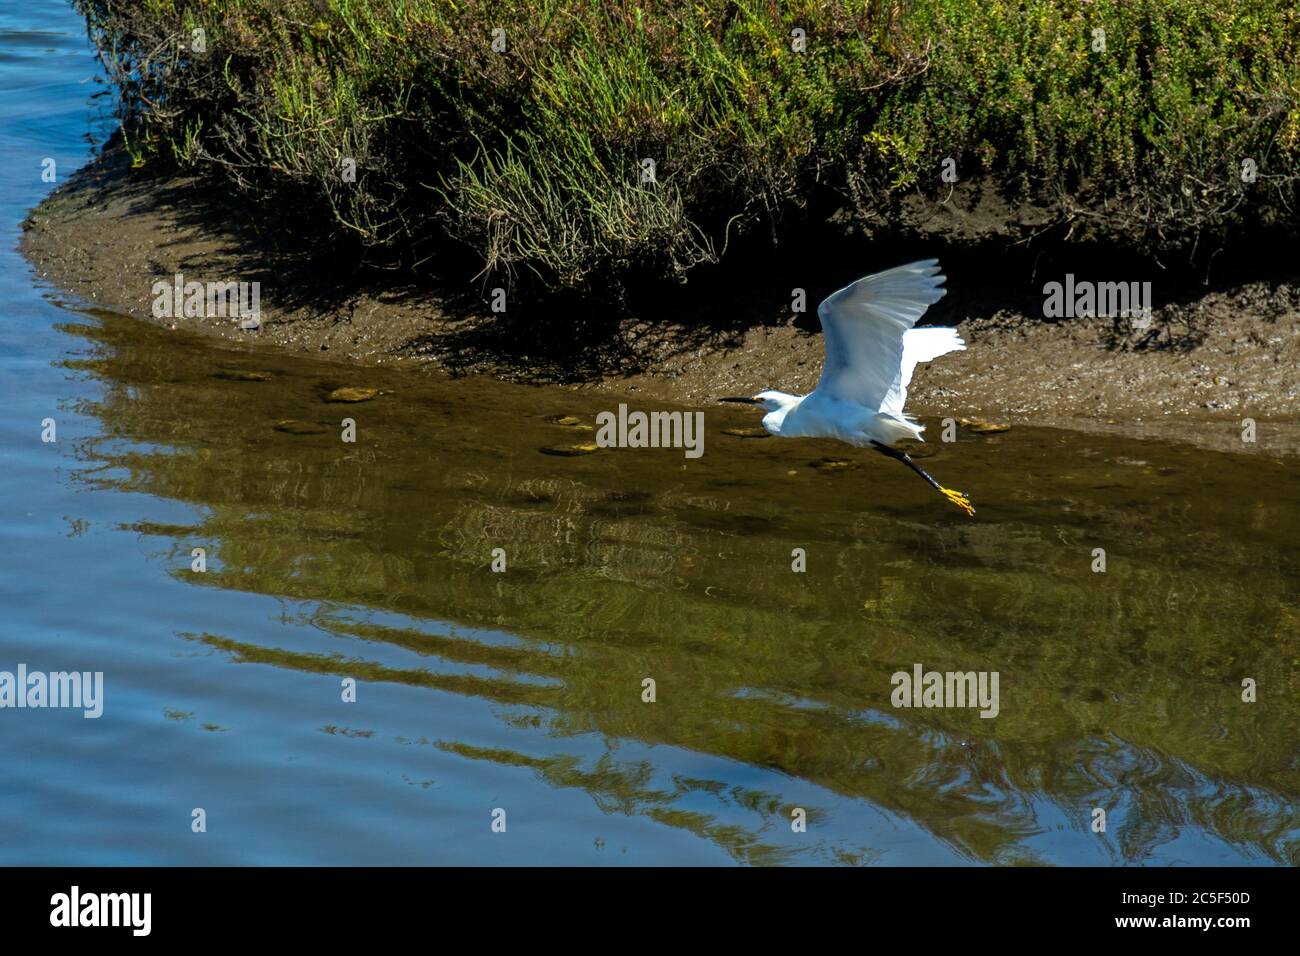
(109, 233)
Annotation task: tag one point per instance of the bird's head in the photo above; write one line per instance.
(769, 401)
(776, 401)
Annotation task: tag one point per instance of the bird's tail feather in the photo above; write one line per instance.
(898, 427)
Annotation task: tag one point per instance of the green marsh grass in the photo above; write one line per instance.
(531, 157)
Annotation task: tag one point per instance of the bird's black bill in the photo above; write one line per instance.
(741, 400)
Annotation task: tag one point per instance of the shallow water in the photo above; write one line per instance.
(523, 691)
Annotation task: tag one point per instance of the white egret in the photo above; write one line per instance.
(871, 351)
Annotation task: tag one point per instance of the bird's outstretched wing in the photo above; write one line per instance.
(863, 327)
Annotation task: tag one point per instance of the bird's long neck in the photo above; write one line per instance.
(774, 421)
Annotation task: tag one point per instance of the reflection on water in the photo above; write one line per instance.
(1120, 690)
(523, 691)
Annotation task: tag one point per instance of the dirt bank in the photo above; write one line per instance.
(1202, 365)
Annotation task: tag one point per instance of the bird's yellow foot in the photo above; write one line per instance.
(960, 500)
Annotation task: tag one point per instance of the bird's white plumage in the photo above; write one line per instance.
(864, 325)
(919, 345)
(872, 350)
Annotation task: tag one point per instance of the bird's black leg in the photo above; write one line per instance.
(956, 497)
(906, 459)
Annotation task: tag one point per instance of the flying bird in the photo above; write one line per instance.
(871, 351)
